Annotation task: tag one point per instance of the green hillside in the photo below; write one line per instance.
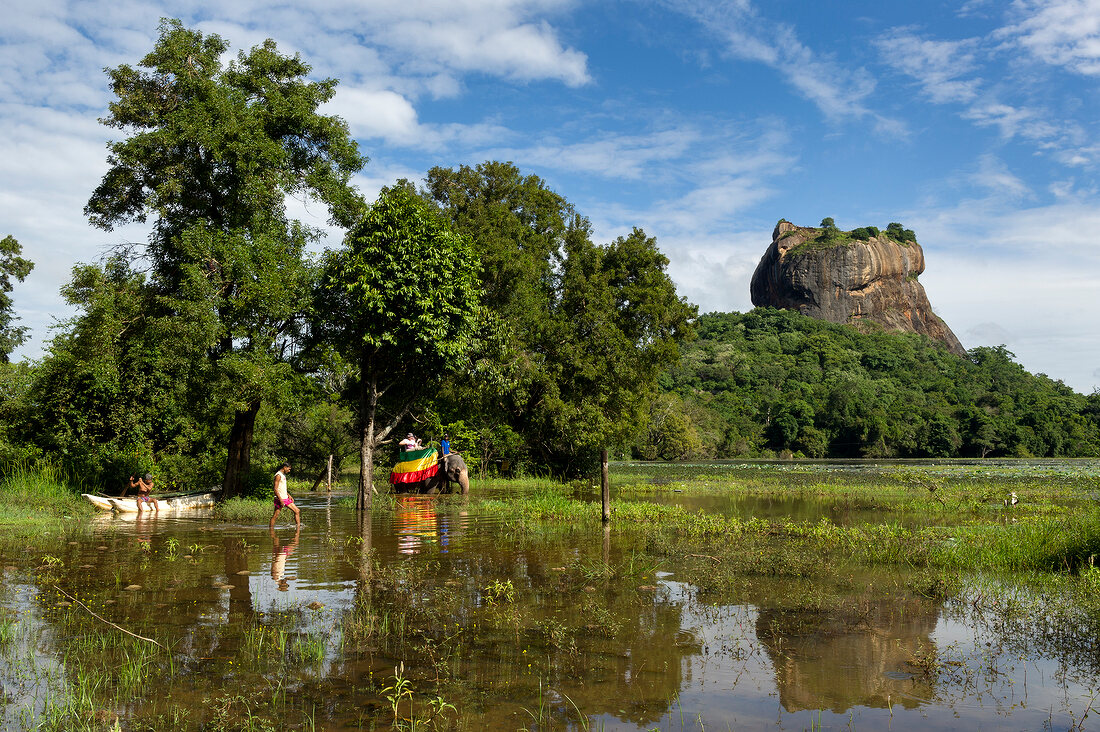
(773, 382)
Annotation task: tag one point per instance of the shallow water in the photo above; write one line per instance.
(568, 650)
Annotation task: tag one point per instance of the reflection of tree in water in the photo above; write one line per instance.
(850, 656)
(1066, 634)
(635, 676)
(606, 645)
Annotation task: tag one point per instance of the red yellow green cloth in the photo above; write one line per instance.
(415, 465)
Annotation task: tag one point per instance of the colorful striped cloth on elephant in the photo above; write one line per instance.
(415, 465)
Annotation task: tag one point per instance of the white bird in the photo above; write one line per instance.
(1012, 500)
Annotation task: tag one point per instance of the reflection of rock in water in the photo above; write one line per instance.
(858, 656)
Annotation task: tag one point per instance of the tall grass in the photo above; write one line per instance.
(1043, 543)
(248, 509)
(37, 502)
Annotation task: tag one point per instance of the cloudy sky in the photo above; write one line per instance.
(973, 122)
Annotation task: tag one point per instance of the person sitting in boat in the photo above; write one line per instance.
(409, 443)
(144, 486)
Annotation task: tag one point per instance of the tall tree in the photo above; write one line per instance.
(116, 388)
(12, 266)
(211, 154)
(581, 331)
(400, 301)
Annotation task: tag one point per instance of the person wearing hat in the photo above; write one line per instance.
(409, 443)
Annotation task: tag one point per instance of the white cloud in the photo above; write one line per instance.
(391, 118)
(627, 157)
(936, 65)
(1022, 277)
(838, 91)
(994, 176)
(382, 113)
(714, 272)
(1059, 32)
(1031, 305)
(1012, 121)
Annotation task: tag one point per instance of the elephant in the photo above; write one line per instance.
(452, 469)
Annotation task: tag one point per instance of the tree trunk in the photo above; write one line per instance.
(317, 482)
(240, 448)
(369, 404)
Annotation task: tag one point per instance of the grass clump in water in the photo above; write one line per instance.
(1041, 543)
(247, 509)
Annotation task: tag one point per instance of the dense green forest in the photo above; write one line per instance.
(477, 305)
(776, 383)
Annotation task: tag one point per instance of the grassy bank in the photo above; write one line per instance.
(40, 502)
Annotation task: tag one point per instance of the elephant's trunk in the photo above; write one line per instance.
(464, 482)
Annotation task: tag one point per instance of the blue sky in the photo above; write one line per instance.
(975, 123)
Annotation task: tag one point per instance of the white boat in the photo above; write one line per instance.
(168, 502)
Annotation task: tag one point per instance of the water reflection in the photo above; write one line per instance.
(279, 554)
(421, 524)
(871, 646)
(629, 650)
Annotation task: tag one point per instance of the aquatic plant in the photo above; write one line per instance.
(499, 592)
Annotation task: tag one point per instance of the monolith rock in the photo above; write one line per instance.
(857, 277)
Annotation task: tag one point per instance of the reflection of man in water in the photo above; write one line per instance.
(278, 558)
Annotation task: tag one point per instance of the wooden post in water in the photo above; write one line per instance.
(328, 484)
(605, 486)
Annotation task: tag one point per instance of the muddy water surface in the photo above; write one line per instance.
(432, 617)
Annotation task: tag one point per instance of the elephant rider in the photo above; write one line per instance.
(409, 443)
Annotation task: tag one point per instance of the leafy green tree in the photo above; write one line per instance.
(16, 447)
(211, 153)
(12, 266)
(400, 302)
(115, 391)
(900, 233)
(671, 432)
(580, 332)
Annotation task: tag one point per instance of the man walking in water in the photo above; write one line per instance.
(282, 498)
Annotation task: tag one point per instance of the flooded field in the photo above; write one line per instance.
(452, 614)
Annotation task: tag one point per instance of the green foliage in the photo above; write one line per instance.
(899, 233)
(575, 334)
(400, 301)
(169, 363)
(115, 393)
(772, 381)
(864, 233)
(830, 236)
(12, 266)
(16, 448)
(403, 292)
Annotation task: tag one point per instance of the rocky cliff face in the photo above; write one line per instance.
(873, 280)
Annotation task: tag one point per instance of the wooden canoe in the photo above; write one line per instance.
(168, 502)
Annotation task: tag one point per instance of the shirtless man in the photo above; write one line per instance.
(144, 486)
(282, 498)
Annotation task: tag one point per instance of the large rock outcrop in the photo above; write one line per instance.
(849, 281)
